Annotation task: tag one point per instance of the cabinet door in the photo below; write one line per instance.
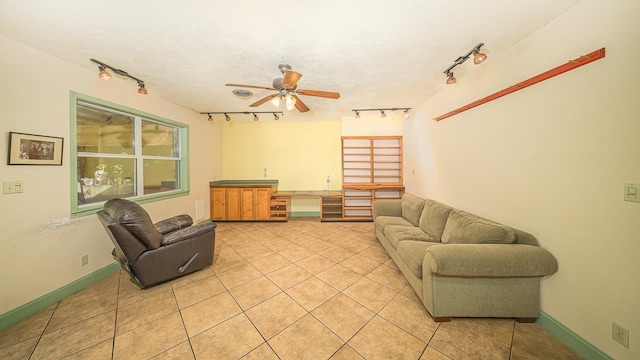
(262, 204)
(233, 203)
(248, 204)
(218, 204)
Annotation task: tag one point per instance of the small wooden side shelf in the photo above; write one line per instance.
(331, 208)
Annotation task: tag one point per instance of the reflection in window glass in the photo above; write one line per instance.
(159, 140)
(161, 175)
(103, 131)
(121, 154)
(101, 179)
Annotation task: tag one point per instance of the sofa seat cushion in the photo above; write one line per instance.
(412, 253)
(434, 218)
(383, 221)
(397, 233)
(465, 228)
(412, 208)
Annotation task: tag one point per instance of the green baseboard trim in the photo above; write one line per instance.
(20, 313)
(300, 214)
(571, 339)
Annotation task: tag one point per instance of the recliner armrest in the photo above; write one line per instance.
(173, 223)
(489, 260)
(189, 233)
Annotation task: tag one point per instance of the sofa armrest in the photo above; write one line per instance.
(387, 207)
(189, 233)
(489, 260)
(173, 223)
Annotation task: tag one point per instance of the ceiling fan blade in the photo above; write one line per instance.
(263, 100)
(250, 86)
(325, 94)
(291, 78)
(300, 105)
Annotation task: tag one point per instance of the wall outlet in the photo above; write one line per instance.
(84, 260)
(620, 334)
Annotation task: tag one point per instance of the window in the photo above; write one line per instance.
(119, 152)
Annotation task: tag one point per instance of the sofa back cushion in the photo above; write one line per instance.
(412, 208)
(434, 218)
(465, 228)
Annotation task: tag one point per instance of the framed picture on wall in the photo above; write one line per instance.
(30, 149)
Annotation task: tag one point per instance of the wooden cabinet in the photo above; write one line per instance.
(218, 200)
(279, 205)
(256, 203)
(331, 208)
(241, 203)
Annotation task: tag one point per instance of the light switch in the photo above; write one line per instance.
(12, 187)
(631, 192)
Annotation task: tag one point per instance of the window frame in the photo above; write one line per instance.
(91, 208)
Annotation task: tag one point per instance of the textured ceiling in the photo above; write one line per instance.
(374, 53)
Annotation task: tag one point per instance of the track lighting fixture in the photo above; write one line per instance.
(104, 75)
(478, 58)
(276, 114)
(383, 114)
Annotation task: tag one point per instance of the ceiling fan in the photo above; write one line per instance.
(287, 90)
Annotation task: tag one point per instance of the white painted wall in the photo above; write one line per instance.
(551, 159)
(40, 245)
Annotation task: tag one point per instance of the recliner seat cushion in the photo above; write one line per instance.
(465, 228)
(135, 219)
(434, 218)
(412, 253)
(412, 208)
(397, 233)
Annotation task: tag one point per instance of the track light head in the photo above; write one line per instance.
(276, 117)
(104, 74)
(478, 57)
(450, 78)
(141, 89)
(227, 117)
(255, 117)
(209, 118)
(382, 114)
(357, 114)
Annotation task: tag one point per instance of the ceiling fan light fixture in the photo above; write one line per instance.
(276, 101)
(104, 74)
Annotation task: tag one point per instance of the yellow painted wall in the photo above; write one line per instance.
(299, 154)
(552, 160)
(40, 244)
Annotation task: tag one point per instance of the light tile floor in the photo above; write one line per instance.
(296, 290)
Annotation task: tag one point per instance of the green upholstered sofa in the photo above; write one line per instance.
(460, 264)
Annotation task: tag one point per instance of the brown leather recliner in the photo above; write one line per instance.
(154, 253)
